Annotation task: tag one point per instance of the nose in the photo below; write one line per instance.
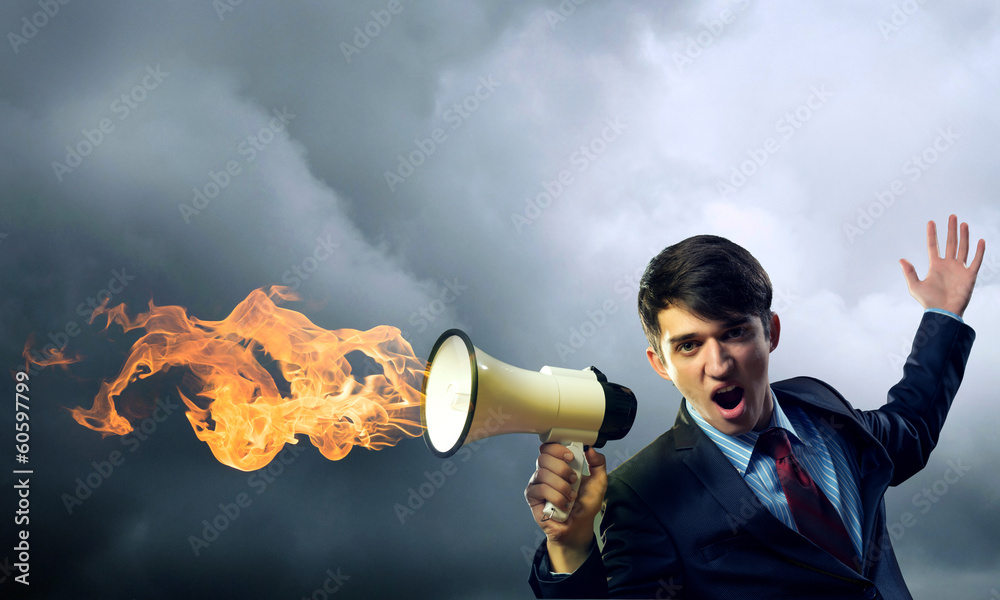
(718, 362)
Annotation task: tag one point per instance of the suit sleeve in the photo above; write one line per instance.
(587, 581)
(909, 424)
(640, 555)
(636, 561)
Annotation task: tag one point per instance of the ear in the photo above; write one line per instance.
(775, 330)
(656, 363)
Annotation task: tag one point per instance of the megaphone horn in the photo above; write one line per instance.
(469, 395)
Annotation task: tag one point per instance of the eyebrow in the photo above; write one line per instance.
(734, 322)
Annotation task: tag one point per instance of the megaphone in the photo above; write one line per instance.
(469, 395)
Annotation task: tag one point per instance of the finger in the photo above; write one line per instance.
(538, 495)
(932, 242)
(909, 273)
(557, 450)
(977, 261)
(963, 243)
(951, 244)
(537, 502)
(558, 466)
(559, 476)
(593, 487)
(546, 486)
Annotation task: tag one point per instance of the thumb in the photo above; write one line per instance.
(595, 460)
(593, 487)
(909, 273)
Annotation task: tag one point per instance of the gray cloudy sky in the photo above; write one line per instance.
(503, 167)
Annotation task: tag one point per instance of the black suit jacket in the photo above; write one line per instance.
(680, 522)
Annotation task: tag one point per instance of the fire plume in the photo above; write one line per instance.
(247, 419)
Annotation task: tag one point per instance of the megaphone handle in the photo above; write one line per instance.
(581, 468)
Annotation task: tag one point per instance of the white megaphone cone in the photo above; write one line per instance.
(469, 395)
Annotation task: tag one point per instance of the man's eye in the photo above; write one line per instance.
(685, 347)
(736, 332)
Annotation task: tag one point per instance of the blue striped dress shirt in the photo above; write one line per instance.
(816, 446)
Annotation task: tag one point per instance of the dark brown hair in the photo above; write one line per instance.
(708, 275)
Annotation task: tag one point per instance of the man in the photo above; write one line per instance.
(759, 490)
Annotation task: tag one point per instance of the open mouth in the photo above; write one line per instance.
(728, 397)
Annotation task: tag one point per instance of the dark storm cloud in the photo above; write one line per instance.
(507, 168)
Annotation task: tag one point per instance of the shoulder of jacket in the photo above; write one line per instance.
(808, 388)
(657, 459)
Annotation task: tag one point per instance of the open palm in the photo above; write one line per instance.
(948, 283)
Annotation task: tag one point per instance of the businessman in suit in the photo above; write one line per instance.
(760, 490)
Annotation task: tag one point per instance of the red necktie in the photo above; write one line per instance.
(814, 514)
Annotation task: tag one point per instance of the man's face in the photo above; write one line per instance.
(719, 366)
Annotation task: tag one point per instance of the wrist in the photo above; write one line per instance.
(945, 311)
(567, 558)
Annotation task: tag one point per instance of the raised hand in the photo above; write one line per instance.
(948, 283)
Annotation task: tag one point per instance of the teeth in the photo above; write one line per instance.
(726, 389)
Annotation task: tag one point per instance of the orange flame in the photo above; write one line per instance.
(248, 420)
(52, 357)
